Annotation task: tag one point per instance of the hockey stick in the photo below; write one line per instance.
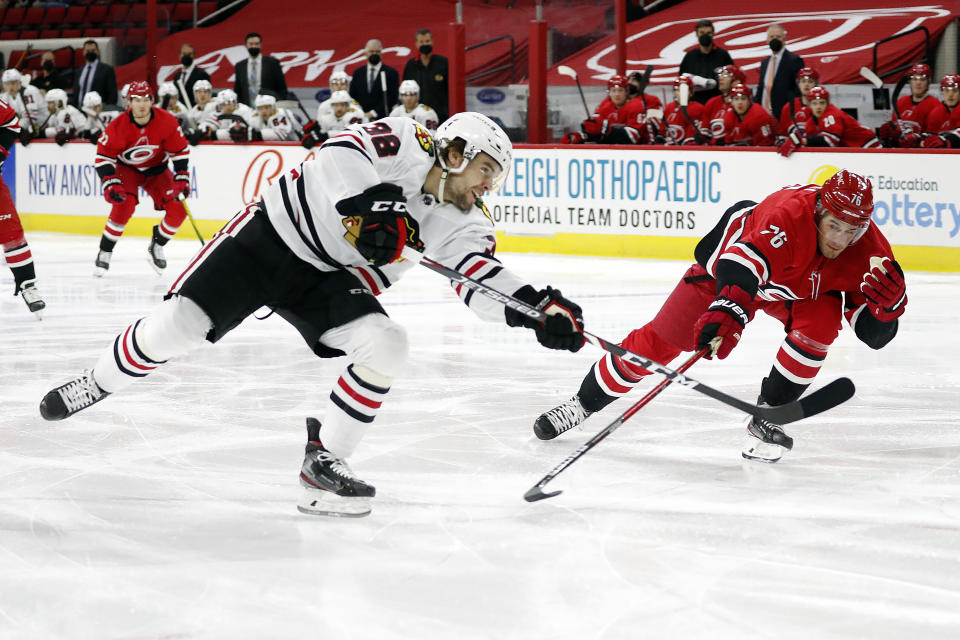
(564, 70)
(879, 93)
(536, 491)
(896, 94)
(193, 222)
(683, 102)
(834, 393)
(383, 88)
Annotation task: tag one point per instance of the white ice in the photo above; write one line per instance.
(168, 511)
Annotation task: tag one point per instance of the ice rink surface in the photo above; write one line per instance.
(168, 511)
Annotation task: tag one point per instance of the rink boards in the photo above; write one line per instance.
(587, 200)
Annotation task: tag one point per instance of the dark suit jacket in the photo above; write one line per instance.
(373, 100)
(195, 74)
(271, 79)
(104, 83)
(785, 86)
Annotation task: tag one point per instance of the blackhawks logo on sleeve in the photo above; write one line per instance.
(425, 139)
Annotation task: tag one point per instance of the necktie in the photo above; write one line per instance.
(85, 81)
(370, 77)
(771, 71)
(254, 85)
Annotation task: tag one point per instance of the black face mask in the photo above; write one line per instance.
(705, 40)
(91, 56)
(776, 44)
(426, 49)
(48, 65)
(633, 89)
(186, 60)
(253, 51)
(374, 59)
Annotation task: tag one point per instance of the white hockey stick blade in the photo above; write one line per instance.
(871, 77)
(655, 113)
(287, 104)
(684, 94)
(411, 254)
(564, 70)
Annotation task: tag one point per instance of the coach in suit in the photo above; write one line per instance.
(778, 73)
(95, 75)
(258, 74)
(366, 87)
(189, 75)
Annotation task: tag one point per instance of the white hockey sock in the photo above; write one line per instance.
(352, 406)
(124, 362)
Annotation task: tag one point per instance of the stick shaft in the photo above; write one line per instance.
(193, 223)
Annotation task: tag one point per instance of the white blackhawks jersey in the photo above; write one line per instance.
(301, 206)
(97, 122)
(421, 113)
(220, 123)
(29, 104)
(327, 107)
(69, 119)
(329, 123)
(280, 126)
(182, 114)
(198, 115)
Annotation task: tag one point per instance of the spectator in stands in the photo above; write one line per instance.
(50, 77)
(429, 70)
(258, 74)
(778, 72)
(701, 62)
(188, 75)
(95, 75)
(366, 86)
(746, 122)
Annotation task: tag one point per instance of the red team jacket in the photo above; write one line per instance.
(952, 120)
(145, 149)
(678, 128)
(838, 129)
(786, 121)
(714, 112)
(921, 117)
(9, 128)
(756, 127)
(631, 114)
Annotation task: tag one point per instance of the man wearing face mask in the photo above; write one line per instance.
(429, 70)
(368, 81)
(50, 77)
(95, 75)
(778, 73)
(189, 75)
(702, 62)
(258, 74)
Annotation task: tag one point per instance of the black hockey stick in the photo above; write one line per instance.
(536, 491)
(896, 94)
(834, 393)
(564, 70)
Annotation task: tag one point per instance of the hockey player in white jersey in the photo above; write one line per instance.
(168, 98)
(344, 113)
(322, 243)
(66, 121)
(339, 81)
(26, 100)
(411, 108)
(203, 106)
(230, 120)
(272, 123)
(313, 131)
(97, 117)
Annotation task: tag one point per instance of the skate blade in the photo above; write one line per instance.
(323, 503)
(153, 265)
(757, 449)
(99, 272)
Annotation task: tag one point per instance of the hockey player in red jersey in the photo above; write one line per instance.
(792, 112)
(746, 122)
(807, 256)
(133, 153)
(620, 119)
(920, 113)
(827, 126)
(323, 241)
(681, 129)
(16, 251)
(948, 134)
(716, 107)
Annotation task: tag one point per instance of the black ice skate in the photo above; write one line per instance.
(155, 253)
(67, 399)
(102, 263)
(766, 441)
(30, 295)
(559, 419)
(331, 488)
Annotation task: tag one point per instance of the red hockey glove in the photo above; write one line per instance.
(910, 141)
(563, 328)
(181, 183)
(312, 135)
(725, 318)
(113, 191)
(592, 127)
(573, 137)
(885, 290)
(888, 131)
(790, 145)
(933, 141)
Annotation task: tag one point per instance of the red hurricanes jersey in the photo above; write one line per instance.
(839, 129)
(756, 127)
(714, 112)
(920, 117)
(9, 128)
(952, 120)
(143, 148)
(786, 121)
(630, 113)
(679, 130)
(777, 242)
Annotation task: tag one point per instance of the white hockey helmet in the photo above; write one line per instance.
(125, 90)
(227, 96)
(59, 96)
(408, 87)
(338, 97)
(481, 134)
(167, 89)
(339, 76)
(201, 85)
(264, 100)
(92, 99)
(11, 75)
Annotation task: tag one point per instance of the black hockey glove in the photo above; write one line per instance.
(25, 136)
(725, 319)
(564, 326)
(384, 225)
(194, 137)
(312, 135)
(61, 137)
(238, 132)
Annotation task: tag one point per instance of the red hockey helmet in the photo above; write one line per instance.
(740, 90)
(950, 81)
(617, 81)
(139, 89)
(683, 78)
(733, 70)
(808, 72)
(848, 197)
(922, 70)
(819, 93)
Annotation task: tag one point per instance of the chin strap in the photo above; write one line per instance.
(443, 183)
